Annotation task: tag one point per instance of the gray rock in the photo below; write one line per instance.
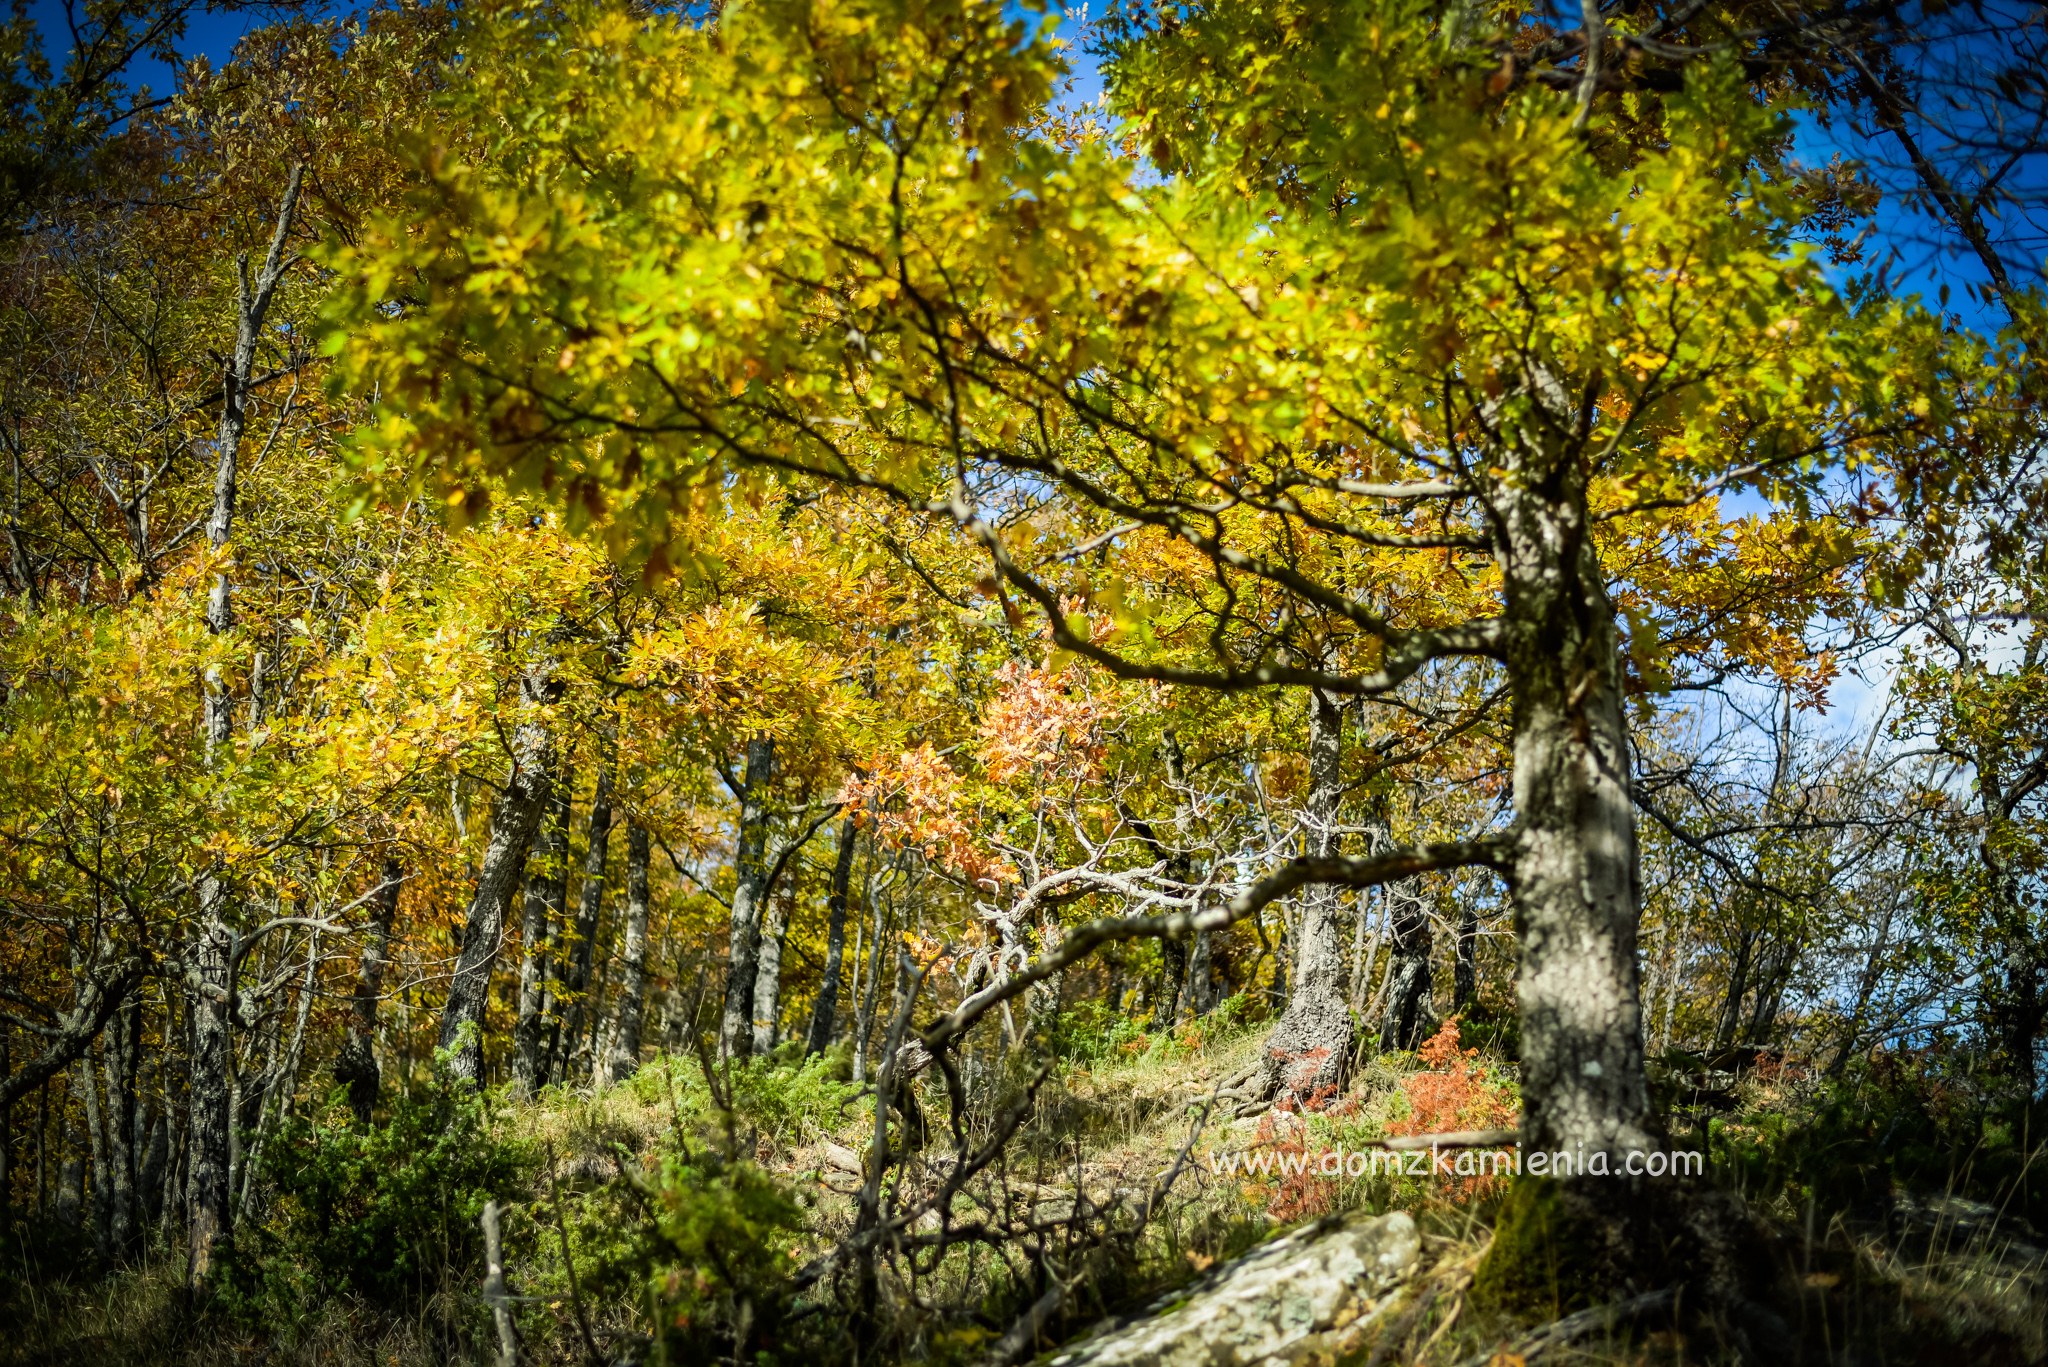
(1305, 1297)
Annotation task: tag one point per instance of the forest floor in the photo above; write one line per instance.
(1929, 1275)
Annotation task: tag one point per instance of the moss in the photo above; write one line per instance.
(1546, 1241)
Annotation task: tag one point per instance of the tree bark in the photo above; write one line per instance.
(1574, 872)
(6, 1131)
(1738, 988)
(210, 1219)
(209, 1136)
(1309, 1050)
(566, 1013)
(1198, 993)
(625, 1051)
(864, 1011)
(547, 893)
(123, 1060)
(356, 1064)
(1866, 986)
(1465, 965)
(767, 1009)
(735, 1029)
(1409, 1017)
(2019, 1010)
(85, 1086)
(515, 816)
(826, 1008)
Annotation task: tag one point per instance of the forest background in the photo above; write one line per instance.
(724, 681)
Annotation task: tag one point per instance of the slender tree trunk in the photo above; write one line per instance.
(1309, 1050)
(123, 1059)
(1409, 1017)
(515, 816)
(625, 1051)
(1173, 976)
(1738, 988)
(547, 892)
(1574, 870)
(1866, 986)
(6, 1130)
(767, 1010)
(153, 1180)
(213, 957)
(1776, 965)
(864, 1019)
(1276, 986)
(826, 1007)
(735, 1031)
(280, 1080)
(209, 1139)
(85, 1086)
(1191, 993)
(1366, 954)
(1465, 965)
(2019, 1014)
(70, 1181)
(566, 1013)
(1198, 994)
(356, 1064)
(43, 1150)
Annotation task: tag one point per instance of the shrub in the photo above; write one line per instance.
(724, 1238)
(784, 1096)
(790, 1100)
(1453, 1092)
(1089, 1031)
(388, 1212)
(1903, 1120)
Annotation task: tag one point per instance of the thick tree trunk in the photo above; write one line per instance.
(826, 1008)
(515, 816)
(565, 1011)
(356, 1064)
(1574, 872)
(1309, 1050)
(625, 1050)
(547, 893)
(735, 1029)
(1409, 1018)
